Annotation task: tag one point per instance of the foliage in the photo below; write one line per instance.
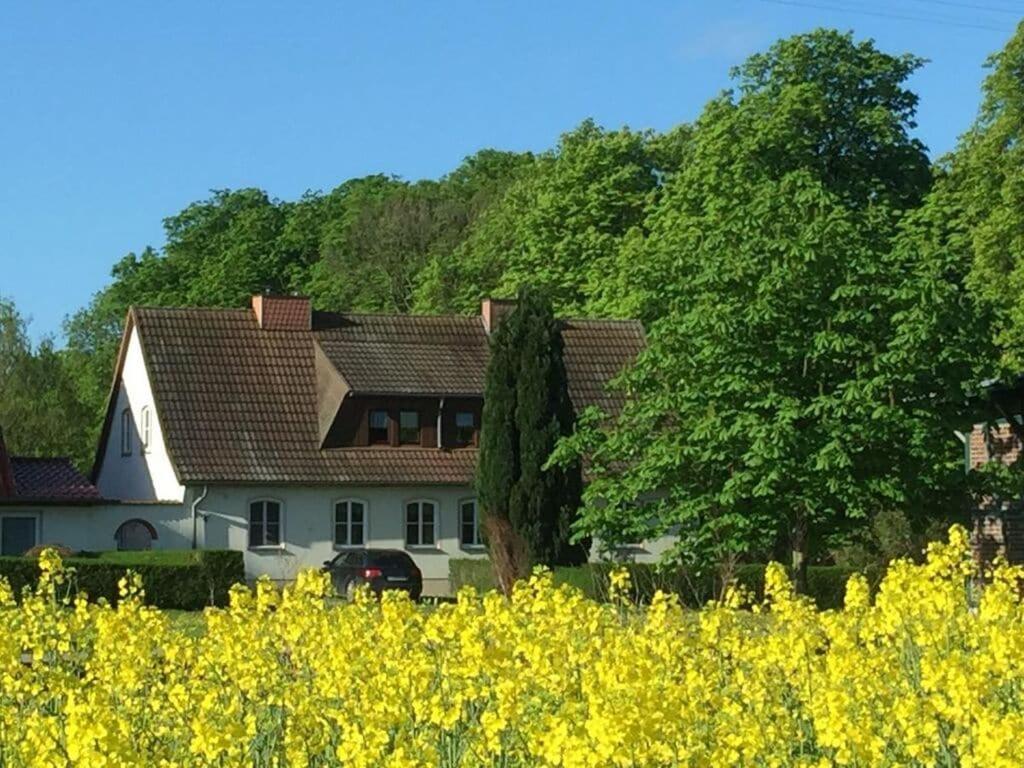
(39, 406)
(925, 676)
(526, 411)
(182, 579)
(777, 397)
(985, 194)
(826, 583)
(560, 226)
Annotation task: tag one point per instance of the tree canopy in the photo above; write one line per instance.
(772, 400)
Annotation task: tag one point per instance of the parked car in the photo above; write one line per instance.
(380, 568)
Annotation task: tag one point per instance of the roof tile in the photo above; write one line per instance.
(50, 480)
(238, 403)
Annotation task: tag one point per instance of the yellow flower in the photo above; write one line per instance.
(924, 675)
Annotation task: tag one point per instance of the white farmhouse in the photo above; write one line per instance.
(290, 434)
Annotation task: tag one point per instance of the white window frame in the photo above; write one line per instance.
(348, 524)
(419, 524)
(127, 432)
(477, 545)
(23, 513)
(146, 432)
(281, 523)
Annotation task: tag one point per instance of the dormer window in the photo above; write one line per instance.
(409, 428)
(127, 432)
(378, 431)
(465, 428)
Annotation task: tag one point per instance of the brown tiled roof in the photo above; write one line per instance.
(238, 403)
(51, 481)
(596, 351)
(405, 354)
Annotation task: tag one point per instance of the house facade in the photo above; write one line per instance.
(291, 434)
(48, 500)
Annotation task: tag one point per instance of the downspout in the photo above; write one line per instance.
(440, 409)
(195, 516)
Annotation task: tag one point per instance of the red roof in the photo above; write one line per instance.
(50, 481)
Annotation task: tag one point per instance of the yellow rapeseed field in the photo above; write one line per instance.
(922, 677)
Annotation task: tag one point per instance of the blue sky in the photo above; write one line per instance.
(116, 114)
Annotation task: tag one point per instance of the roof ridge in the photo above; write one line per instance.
(403, 315)
(618, 320)
(160, 308)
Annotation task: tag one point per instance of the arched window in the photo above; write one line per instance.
(421, 523)
(147, 428)
(135, 535)
(127, 432)
(349, 523)
(266, 521)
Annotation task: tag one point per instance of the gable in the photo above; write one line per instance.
(145, 471)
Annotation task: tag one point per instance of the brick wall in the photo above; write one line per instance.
(282, 313)
(996, 532)
(997, 443)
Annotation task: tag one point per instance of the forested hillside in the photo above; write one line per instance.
(373, 244)
(821, 297)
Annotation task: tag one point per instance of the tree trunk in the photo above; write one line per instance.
(507, 551)
(798, 536)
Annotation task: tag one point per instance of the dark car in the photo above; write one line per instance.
(380, 568)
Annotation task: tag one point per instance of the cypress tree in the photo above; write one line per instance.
(529, 508)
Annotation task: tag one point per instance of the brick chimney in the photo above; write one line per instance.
(283, 313)
(492, 311)
(6, 472)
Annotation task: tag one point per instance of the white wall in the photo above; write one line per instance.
(140, 476)
(308, 517)
(93, 527)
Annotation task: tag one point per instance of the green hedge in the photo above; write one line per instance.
(825, 583)
(179, 579)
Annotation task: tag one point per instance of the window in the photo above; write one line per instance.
(349, 523)
(465, 427)
(409, 428)
(147, 428)
(17, 534)
(265, 523)
(126, 432)
(134, 536)
(378, 428)
(420, 524)
(469, 524)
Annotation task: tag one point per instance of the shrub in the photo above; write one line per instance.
(466, 572)
(826, 584)
(179, 579)
(60, 549)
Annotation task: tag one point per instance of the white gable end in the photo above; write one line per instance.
(135, 464)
